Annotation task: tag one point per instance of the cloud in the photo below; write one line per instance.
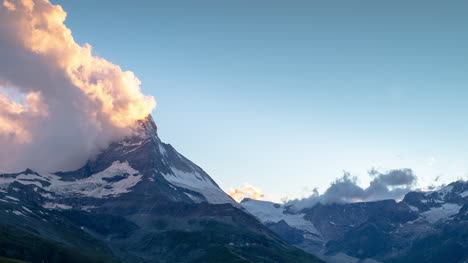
(59, 104)
(394, 177)
(247, 191)
(393, 184)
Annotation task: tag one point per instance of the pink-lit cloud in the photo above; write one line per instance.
(59, 104)
(246, 191)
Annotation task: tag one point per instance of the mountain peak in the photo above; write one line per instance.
(146, 128)
(137, 190)
(148, 124)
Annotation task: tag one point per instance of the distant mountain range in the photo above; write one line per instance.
(137, 201)
(423, 227)
(141, 201)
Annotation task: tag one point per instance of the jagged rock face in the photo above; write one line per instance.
(387, 231)
(137, 171)
(330, 219)
(455, 193)
(138, 201)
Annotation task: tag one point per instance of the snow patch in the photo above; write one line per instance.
(270, 212)
(47, 195)
(194, 198)
(113, 181)
(18, 213)
(442, 191)
(26, 209)
(12, 198)
(24, 179)
(87, 208)
(56, 206)
(96, 186)
(129, 144)
(439, 213)
(162, 150)
(135, 146)
(196, 182)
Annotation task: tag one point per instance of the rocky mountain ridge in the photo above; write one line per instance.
(380, 231)
(139, 200)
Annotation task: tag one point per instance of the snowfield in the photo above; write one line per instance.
(198, 183)
(441, 213)
(113, 181)
(97, 186)
(269, 212)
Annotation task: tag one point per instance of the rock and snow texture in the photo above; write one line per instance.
(441, 213)
(442, 204)
(122, 167)
(268, 212)
(197, 182)
(113, 181)
(117, 179)
(50, 205)
(23, 178)
(453, 193)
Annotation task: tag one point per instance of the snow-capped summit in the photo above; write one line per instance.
(139, 200)
(441, 204)
(138, 164)
(433, 222)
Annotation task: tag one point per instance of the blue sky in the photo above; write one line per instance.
(285, 95)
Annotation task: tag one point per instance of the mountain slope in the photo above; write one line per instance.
(423, 227)
(141, 201)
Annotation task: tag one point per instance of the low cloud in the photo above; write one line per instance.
(393, 184)
(246, 191)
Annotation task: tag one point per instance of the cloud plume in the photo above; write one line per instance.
(59, 103)
(246, 191)
(393, 184)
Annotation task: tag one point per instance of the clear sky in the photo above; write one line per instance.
(285, 95)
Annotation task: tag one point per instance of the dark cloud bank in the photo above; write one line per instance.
(393, 184)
